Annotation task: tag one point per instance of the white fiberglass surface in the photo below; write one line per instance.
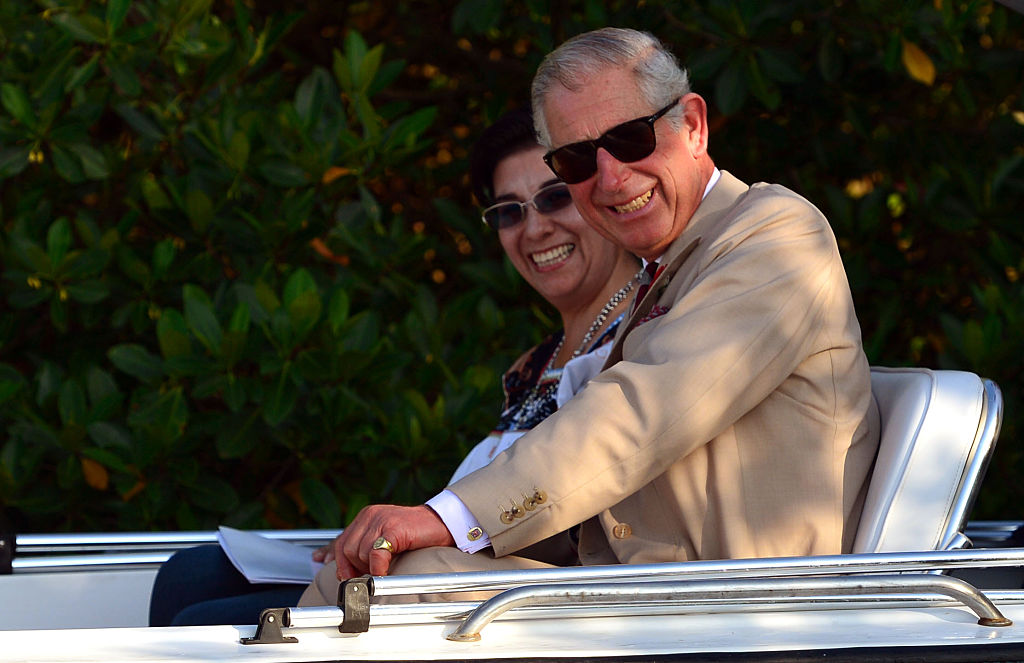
(526, 639)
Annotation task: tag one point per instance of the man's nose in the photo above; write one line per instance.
(611, 172)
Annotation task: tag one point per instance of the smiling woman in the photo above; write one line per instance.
(585, 277)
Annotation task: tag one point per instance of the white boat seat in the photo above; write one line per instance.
(938, 431)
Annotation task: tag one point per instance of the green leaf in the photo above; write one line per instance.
(342, 71)
(201, 318)
(283, 173)
(214, 494)
(172, 335)
(11, 382)
(139, 122)
(100, 385)
(16, 102)
(107, 459)
(235, 396)
(13, 160)
(71, 403)
(238, 151)
(83, 74)
(199, 209)
(780, 66)
(125, 78)
(236, 441)
(155, 196)
(240, 319)
(405, 132)
(135, 360)
(166, 412)
(299, 283)
(731, 88)
(362, 332)
(67, 165)
(88, 292)
(106, 434)
(58, 240)
(304, 312)
(163, 256)
(369, 66)
(48, 381)
(94, 164)
(321, 502)
(479, 16)
(974, 343)
(85, 27)
(282, 399)
(116, 11)
(337, 310)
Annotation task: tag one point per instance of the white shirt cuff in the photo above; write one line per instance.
(464, 527)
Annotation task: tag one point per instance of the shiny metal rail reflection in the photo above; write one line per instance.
(727, 590)
(733, 568)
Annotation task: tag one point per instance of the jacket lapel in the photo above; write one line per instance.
(722, 196)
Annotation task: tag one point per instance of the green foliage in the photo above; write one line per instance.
(209, 313)
(242, 277)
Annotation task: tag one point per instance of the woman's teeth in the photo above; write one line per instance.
(551, 256)
(634, 204)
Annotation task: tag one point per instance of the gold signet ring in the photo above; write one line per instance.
(383, 544)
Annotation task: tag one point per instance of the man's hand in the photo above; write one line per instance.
(405, 527)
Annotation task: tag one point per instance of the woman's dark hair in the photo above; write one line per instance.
(512, 132)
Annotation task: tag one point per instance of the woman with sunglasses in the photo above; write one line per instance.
(584, 276)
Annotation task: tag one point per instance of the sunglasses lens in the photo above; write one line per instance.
(552, 199)
(503, 215)
(631, 141)
(574, 163)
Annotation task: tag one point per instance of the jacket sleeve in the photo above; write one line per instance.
(743, 311)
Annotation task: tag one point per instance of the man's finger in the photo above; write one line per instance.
(380, 562)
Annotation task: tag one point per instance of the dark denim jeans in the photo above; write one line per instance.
(200, 586)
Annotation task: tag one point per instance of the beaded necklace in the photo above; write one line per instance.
(549, 376)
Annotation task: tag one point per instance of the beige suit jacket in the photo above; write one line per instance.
(734, 417)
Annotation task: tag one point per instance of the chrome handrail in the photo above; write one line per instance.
(859, 563)
(40, 553)
(728, 590)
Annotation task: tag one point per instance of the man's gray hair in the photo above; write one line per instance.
(658, 75)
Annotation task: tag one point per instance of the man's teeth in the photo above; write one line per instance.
(634, 204)
(551, 256)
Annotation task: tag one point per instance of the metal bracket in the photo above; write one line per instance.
(354, 601)
(268, 631)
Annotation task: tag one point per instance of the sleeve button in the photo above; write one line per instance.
(622, 531)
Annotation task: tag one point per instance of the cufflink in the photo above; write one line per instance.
(474, 534)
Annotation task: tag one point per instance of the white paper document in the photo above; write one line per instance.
(261, 559)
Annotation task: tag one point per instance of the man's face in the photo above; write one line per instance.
(644, 205)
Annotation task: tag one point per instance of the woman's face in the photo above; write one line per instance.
(558, 254)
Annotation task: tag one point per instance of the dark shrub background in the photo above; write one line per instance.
(244, 281)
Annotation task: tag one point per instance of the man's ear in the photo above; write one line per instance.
(695, 123)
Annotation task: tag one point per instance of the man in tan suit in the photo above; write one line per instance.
(734, 416)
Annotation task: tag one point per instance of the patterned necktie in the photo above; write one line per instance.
(650, 273)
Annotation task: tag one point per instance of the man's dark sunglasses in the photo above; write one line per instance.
(549, 199)
(627, 142)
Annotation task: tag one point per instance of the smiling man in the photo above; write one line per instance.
(733, 417)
